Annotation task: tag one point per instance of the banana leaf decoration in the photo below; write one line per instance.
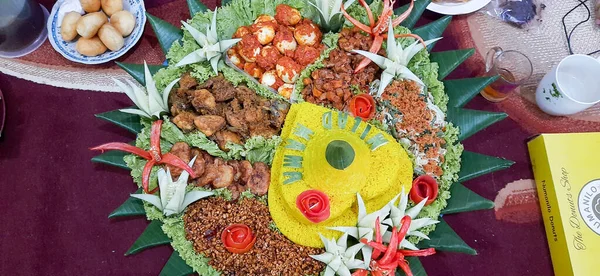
(473, 165)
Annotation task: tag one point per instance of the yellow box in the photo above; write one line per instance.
(567, 172)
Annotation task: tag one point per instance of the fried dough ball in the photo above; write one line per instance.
(284, 41)
(287, 15)
(241, 32)
(68, 27)
(253, 69)
(286, 90)
(268, 57)
(249, 48)
(271, 79)
(288, 69)
(264, 31)
(307, 33)
(235, 58)
(306, 55)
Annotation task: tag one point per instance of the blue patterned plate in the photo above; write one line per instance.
(67, 48)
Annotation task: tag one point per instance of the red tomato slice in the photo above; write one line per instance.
(423, 187)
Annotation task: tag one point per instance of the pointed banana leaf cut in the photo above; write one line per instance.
(461, 91)
(225, 2)
(465, 200)
(433, 30)
(176, 266)
(131, 207)
(416, 13)
(127, 121)
(416, 267)
(113, 158)
(472, 121)
(151, 237)
(137, 70)
(195, 6)
(443, 238)
(449, 60)
(165, 32)
(474, 165)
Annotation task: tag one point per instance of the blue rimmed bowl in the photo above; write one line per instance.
(67, 48)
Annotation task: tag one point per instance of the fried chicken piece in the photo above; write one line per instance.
(237, 172)
(181, 150)
(210, 174)
(225, 174)
(278, 110)
(235, 190)
(237, 122)
(262, 130)
(246, 171)
(203, 101)
(260, 179)
(225, 136)
(222, 89)
(187, 82)
(185, 121)
(209, 124)
(199, 165)
(178, 104)
(254, 115)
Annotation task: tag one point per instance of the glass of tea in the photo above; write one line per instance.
(513, 68)
(22, 27)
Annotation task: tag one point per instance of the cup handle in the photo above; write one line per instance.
(492, 54)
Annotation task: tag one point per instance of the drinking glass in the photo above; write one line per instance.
(513, 68)
(22, 27)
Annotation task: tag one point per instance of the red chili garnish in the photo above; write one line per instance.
(423, 187)
(153, 155)
(238, 238)
(393, 257)
(314, 205)
(363, 106)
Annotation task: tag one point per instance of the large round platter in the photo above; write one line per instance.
(451, 8)
(67, 48)
(271, 145)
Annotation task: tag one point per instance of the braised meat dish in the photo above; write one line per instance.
(215, 172)
(223, 112)
(334, 85)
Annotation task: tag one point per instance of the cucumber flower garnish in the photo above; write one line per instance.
(395, 65)
(211, 48)
(367, 226)
(395, 220)
(149, 102)
(332, 18)
(173, 197)
(340, 258)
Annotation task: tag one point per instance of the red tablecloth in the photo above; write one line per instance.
(55, 202)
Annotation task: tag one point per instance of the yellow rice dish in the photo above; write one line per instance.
(377, 167)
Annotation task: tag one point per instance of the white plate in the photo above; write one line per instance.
(457, 8)
(67, 48)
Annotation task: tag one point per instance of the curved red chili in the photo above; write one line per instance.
(423, 187)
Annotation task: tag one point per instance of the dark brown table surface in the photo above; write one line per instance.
(55, 202)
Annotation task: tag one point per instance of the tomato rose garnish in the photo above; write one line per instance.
(423, 187)
(238, 238)
(314, 205)
(363, 106)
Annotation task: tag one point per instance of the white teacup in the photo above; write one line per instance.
(570, 87)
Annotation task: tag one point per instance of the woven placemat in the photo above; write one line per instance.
(545, 44)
